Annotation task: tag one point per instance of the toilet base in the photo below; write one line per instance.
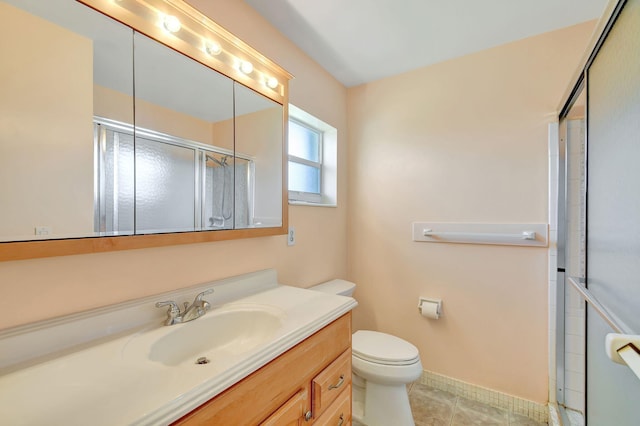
(357, 399)
(381, 405)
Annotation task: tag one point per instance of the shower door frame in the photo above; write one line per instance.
(562, 256)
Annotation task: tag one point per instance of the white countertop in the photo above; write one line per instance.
(99, 385)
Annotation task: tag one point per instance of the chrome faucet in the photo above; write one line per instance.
(198, 308)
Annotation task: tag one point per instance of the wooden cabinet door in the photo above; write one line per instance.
(291, 413)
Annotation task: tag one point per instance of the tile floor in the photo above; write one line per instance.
(434, 407)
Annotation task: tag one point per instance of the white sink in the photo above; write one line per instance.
(149, 363)
(220, 336)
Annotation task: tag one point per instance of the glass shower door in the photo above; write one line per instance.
(613, 216)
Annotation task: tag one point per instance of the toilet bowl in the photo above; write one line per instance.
(382, 366)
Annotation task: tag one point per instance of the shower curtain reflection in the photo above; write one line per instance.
(218, 199)
(222, 175)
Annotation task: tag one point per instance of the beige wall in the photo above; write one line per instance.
(41, 157)
(460, 141)
(43, 288)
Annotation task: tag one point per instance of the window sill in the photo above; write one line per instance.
(307, 203)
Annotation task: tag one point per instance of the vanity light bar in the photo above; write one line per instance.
(183, 28)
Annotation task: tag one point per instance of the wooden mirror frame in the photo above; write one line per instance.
(266, 78)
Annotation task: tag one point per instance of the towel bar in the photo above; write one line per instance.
(511, 234)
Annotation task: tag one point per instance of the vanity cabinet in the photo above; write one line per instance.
(308, 384)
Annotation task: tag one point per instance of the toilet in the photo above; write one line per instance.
(382, 367)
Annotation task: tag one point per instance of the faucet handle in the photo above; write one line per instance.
(173, 306)
(201, 295)
(202, 305)
(173, 314)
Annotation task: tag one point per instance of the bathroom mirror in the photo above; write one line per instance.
(108, 137)
(258, 133)
(59, 58)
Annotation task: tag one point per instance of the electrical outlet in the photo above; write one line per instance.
(42, 230)
(291, 236)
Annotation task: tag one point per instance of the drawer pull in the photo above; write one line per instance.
(337, 385)
(307, 416)
(341, 420)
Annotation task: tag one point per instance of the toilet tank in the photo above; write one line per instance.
(340, 287)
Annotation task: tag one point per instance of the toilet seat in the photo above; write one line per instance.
(382, 348)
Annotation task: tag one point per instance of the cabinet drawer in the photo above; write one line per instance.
(330, 383)
(338, 413)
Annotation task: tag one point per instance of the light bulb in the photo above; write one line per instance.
(246, 67)
(272, 82)
(212, 48)
(171, 24)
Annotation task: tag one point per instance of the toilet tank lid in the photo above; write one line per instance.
(341, 287)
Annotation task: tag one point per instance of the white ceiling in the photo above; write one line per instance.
(359, 41)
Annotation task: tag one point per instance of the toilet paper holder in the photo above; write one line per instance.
(430, 308)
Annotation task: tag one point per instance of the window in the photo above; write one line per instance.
(305, 162)
(311, 160)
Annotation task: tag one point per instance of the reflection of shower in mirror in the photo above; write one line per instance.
(146, 181)
(219, 179)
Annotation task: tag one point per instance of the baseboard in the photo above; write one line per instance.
(533, 410)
